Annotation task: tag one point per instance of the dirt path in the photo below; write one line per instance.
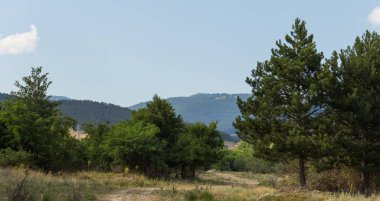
(152, 194)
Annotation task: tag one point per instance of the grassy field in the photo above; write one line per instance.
(20, 184)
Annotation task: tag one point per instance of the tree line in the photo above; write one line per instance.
(322, 112)
(155, 141)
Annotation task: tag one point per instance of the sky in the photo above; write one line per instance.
(123, 52)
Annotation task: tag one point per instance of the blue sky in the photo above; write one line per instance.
(124, 52)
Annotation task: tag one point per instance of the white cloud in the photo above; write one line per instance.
(19, 43)
(374, 17)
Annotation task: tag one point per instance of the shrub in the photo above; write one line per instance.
(199, 195)
(9, 157)
(242, 159)
(336, 180)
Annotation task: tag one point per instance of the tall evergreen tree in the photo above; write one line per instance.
(354, 99)
(280, 117)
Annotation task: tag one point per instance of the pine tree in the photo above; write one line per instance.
(280, 118)
(354, 100)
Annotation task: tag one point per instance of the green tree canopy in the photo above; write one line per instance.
(135, 145)
(280, 118)
(33, 124)
(199, 146)
(160, 112)
(354, 98)
(33, 92)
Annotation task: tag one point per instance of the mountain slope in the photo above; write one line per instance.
(94, 112)
(88, 111)
(206, 108)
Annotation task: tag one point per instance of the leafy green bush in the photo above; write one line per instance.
(242, 159)
(9, 157)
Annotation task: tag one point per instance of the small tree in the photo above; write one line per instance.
(134, 144)
(199, 146)
(34, 93)
(280, 118)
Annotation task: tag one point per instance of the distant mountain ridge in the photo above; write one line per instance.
(202, 107)
(85, 111)
(205, 108)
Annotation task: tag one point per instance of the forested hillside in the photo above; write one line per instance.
(94, 112)
(220, 107)
(88, 111)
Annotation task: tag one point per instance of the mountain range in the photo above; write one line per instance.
(202, 107)
(84, 111)
(220, 107)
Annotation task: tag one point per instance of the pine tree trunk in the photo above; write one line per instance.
(364, 181)
(183, 172)
(192, 172)
(301, 172)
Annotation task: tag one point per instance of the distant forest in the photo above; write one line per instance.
(85, 111)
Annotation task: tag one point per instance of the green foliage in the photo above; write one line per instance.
(280, 119)
(97, 153)
(354, 99)
(155, 142)
(9, 157)
(135, 145)
(34, 93)
(160, 113)
(242, 159)
(199, 146)
(205, 108)
(31, 123)
(199, 195)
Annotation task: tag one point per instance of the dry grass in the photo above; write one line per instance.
(21, 184)
(220, 186)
